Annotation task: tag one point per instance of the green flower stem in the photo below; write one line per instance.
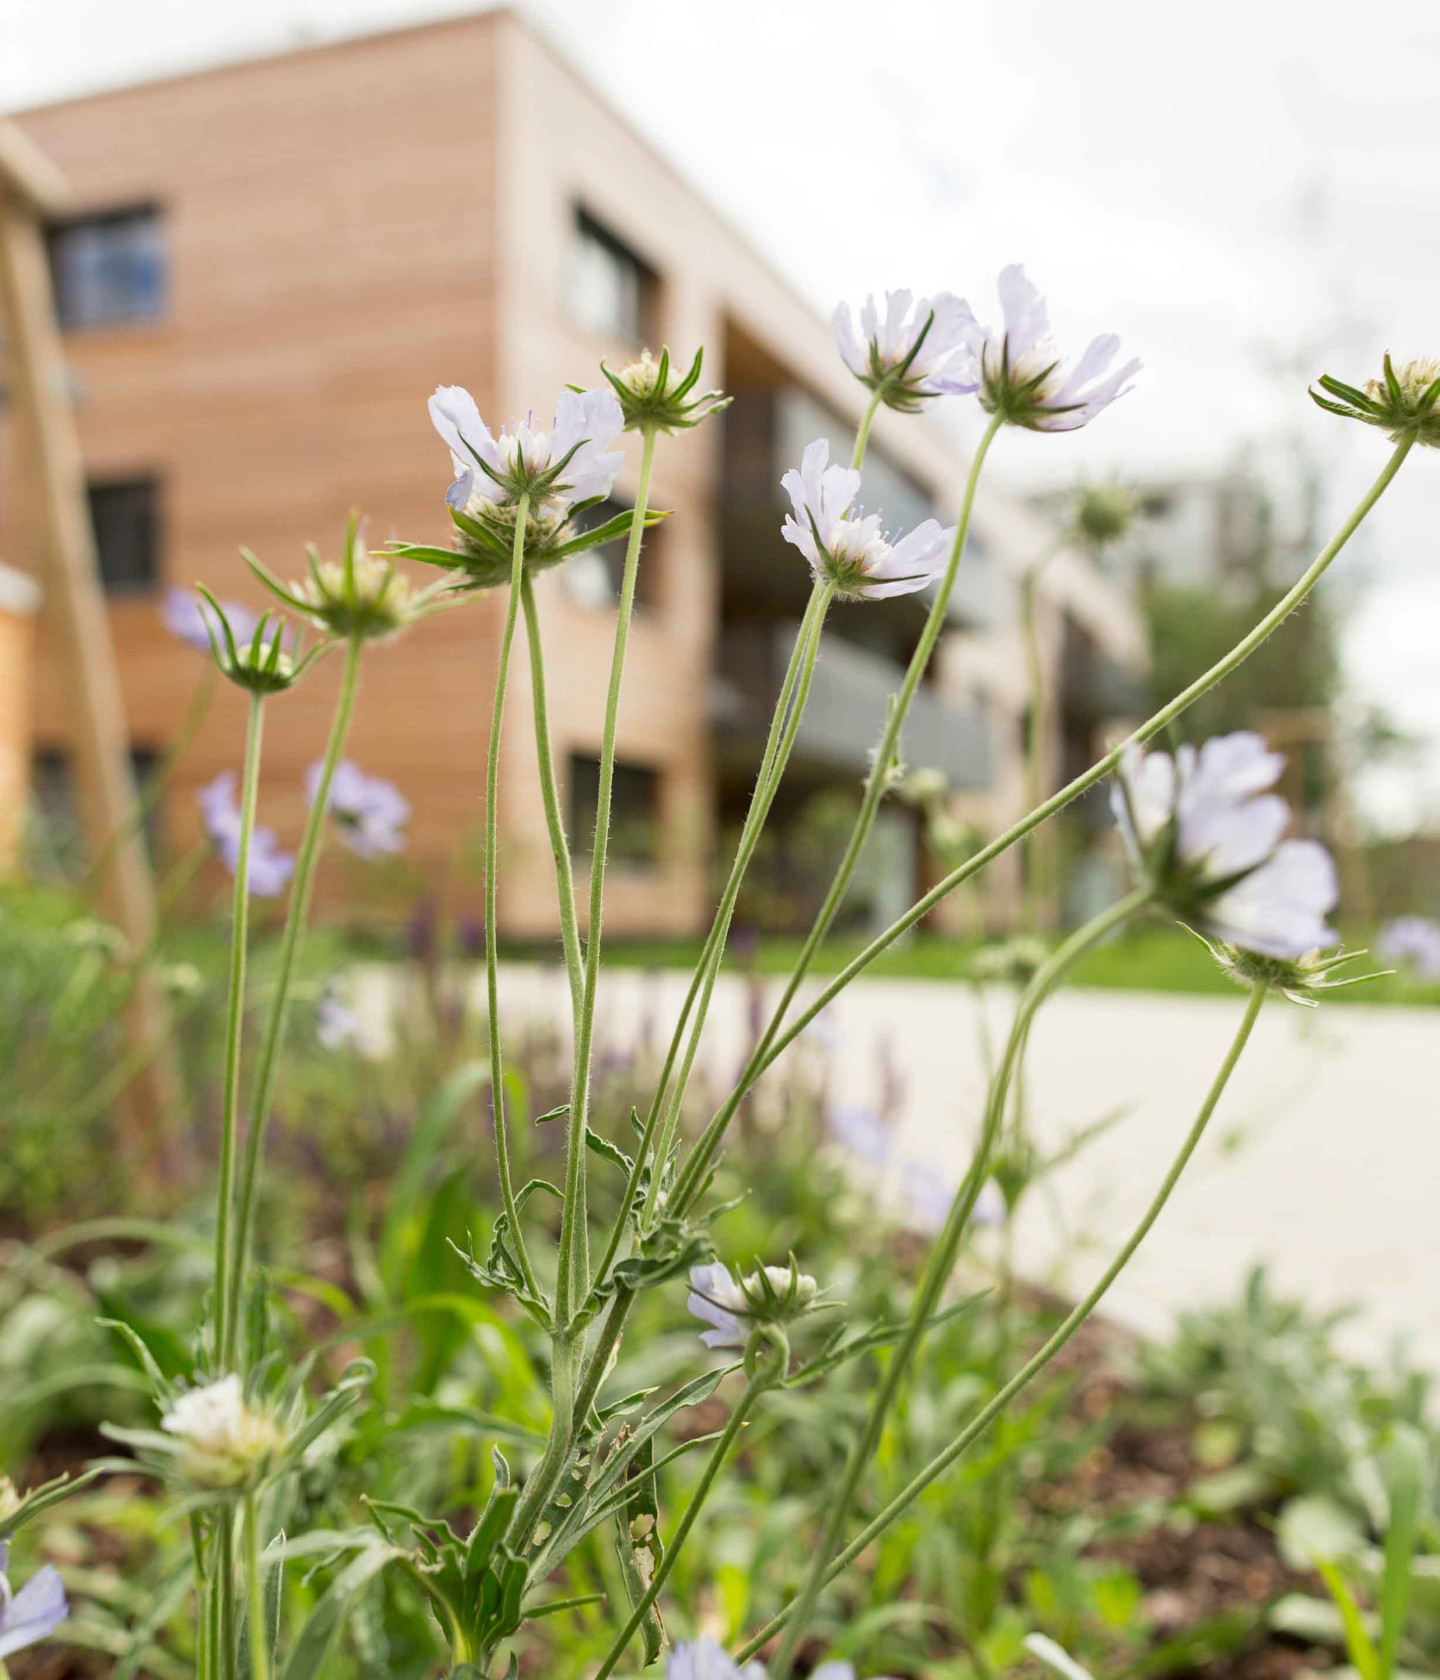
(766, 783)
(234, 1027)
(596, 1361)
(225, 1589)
(492, 899)
(757, 1385)
(262, 1088)
(572, 1283)
(862, 432)
(763, 1056)
(203, 1670)
(941, 1262)
(540, 1483)
(808, 650)
(559, 846)
(259, 1642)
(887, 752)
(988, 1413)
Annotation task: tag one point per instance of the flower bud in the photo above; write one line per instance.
(654, 397)
(1104, 512)
(360, 595)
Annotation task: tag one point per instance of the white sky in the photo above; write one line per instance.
(1231, 187)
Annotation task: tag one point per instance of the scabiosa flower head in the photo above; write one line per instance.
(919, 348)
(769, 1295)
(1105, 512)
(846, 546)
(369, 813)
(33, 1613)
(1021, 376)
(227, 1443)
(269, 867)
(563, 472)
(654, 395)
(1203, 830)
(703, 1659)
(1412, 943)
(188, 620)
(253, 655)
(335, 1022)
(1301, 979)
(360, 595)
(1403, 405)
(860, 1130)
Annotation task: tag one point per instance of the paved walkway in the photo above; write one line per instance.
(1323, 1160)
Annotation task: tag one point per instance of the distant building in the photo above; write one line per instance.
(277, 261)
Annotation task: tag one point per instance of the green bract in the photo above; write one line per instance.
(260, 664)
(360, 595)
(485, 542)
(1300, 979)
(651, 399)
(1402, 405)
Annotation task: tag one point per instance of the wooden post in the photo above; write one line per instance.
(34, 360)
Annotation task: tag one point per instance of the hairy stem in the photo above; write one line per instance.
(262, 1087)
(234, 1029)
(862, 432)
(554, 821)
(767, 780)
(942, 1260)
(989, 1412)
(764, 1055)
(259, 1641)
(492, 900)
(573, 1282)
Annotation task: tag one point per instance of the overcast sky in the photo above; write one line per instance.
(1248, 191)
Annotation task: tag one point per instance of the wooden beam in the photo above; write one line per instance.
(29, 175)
(39, 385)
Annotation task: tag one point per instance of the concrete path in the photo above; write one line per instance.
(1323, 1160)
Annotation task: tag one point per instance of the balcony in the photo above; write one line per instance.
(846, 712)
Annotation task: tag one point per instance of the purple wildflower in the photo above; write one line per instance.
(1412, 942)
(370, 813)
(33, 1613)
(269, 867)
(186, 618)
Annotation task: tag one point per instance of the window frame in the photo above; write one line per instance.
(128, 318)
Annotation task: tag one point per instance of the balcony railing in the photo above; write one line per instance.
(847, 709)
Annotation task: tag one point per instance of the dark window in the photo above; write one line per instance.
(109, 268)
(594, 577)
(126, 516)
(56, 841)
(610, 289)
(634, 809)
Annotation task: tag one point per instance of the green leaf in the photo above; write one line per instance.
(399, 1235)
(1358, 1643)
(1405, 1466)
(322, 1626)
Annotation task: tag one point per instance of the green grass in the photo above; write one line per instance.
(1149, 959)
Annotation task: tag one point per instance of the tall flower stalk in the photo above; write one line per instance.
(896, 1507)
(234, 1028)
(941, 1260)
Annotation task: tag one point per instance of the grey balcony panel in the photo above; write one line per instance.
(847, 709)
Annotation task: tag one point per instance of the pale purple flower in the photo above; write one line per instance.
(586, 422)
(1205, 831)
(846, 546)
(930, 1194)
(370, 813)
(1412, 942)
(269, 867)
(860, 1130)
(33, 1613)
(186, 617)
(1021, 375)
(717, 1298)
(335, 1022)
(703, 1659)
(919, 347)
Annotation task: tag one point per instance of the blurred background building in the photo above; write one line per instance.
(276, 261)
